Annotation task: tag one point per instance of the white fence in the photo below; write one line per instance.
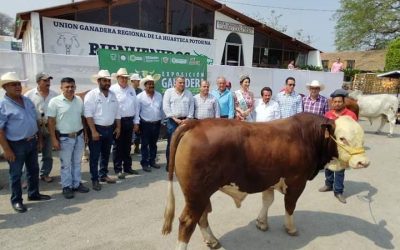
(82, 67)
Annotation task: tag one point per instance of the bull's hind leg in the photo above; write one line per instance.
(187, 221)
(262, 219)
(292, 195)
(383, 122)
(205, 229)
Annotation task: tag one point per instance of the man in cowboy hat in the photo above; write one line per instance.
(41, 96)
(151, 114)
(135, 80)
(101, 109)
(314, 102)
(18, 137)
(335, 180)
(126, 97)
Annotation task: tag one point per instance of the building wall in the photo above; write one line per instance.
(373, 60)
(220, 38)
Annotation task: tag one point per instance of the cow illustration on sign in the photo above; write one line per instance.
(67, 40)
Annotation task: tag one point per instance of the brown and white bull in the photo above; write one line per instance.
(239, 158)
(383, 106)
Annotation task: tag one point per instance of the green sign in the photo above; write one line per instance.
(163, 67)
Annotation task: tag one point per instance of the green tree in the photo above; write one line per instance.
(6, 25)
(366, 24)
(392, 61)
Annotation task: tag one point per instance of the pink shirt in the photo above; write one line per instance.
(337, 67)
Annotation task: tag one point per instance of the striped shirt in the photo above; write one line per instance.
(178, 105)
(207, 107)
(289, 104)
(318, 106)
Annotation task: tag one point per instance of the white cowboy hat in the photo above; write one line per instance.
(103, 73)
(10, 77)
(315, 84)
(135, 77)
(121, 72)
(146, 79)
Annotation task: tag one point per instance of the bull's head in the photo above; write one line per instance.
(67, 40)
(350, 144)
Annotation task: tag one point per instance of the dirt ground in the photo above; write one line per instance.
(129, 214)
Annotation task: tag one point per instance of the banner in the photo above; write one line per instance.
(78, 38)
(163, 67)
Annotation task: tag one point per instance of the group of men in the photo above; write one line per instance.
(43, 120)
(110, 115)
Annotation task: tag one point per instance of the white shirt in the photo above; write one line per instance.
(150, 108)
(103, 110)
(178, 104)
(267, 112)
(40, 102)
(127, 101)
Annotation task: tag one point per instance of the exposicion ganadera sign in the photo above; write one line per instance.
(163, 67)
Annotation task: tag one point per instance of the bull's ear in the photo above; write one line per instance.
(328, 129)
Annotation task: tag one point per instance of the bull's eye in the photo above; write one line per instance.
(344, 140)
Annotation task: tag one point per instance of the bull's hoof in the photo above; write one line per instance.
(292, 232)
(213, 244)
(390, 135)
(261, 225)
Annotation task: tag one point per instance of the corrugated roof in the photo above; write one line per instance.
(23, 17)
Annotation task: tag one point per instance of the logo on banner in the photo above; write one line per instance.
(68, 41)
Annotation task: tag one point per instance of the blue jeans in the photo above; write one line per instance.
(25, 153)
(149, 137)
(335, 179)
(171, 127)
(100, 150)
(70, 158)
(47, 155)
(122, 146)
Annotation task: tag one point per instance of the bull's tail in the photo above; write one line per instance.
(169, 212)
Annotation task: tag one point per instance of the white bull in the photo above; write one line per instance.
(382, 106)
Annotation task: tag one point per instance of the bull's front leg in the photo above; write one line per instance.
(205, 229)
(262, 219)
(293, 193)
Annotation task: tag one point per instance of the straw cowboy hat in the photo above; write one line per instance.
(135, 77)
(121, 72)
(10, 77)
(103, 73)
(315, 84)
(148, 78)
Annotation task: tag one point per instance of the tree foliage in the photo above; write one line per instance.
(392, 61)
(367, 24)
(6, 25)
(273, 21)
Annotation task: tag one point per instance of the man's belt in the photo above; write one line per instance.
(72, 135)
(127, 118)
(30, 138)
(104, 127)
(150, 122)
(181, 118)
(224, 116)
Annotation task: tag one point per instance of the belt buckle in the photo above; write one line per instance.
(72, 135)
(30, 138)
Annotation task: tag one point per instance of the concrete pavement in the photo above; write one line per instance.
(129, 214)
